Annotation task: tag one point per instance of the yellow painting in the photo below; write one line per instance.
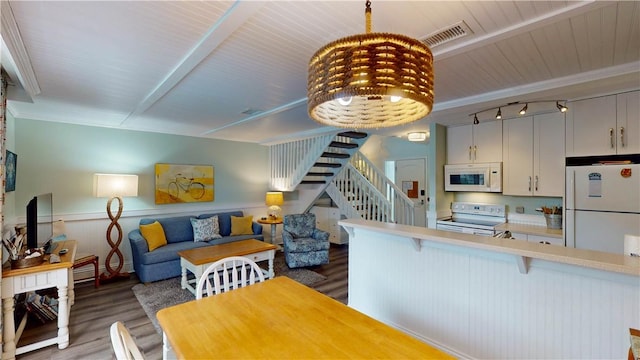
(177, 183)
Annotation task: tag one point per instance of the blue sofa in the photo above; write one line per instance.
(164, 262)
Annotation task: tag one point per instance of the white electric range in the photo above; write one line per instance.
(473, 218)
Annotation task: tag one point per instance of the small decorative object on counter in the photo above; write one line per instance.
(31, 257)
(553, 216)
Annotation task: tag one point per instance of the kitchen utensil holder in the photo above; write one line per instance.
(554, 221)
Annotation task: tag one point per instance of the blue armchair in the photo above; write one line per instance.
(304, 245)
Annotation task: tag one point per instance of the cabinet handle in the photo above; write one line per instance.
(475, 152)
(611, 138)
(622, 135)
(536, 183)
(529, 183)
(469, 152)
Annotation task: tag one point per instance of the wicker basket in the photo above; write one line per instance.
(25, 263)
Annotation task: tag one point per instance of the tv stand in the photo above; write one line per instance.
(46, 275)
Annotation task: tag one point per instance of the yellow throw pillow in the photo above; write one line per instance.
(154, 234)
(241, 225)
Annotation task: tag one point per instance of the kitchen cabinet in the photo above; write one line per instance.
(605, 125)
(480, 143)
(327, 219)
(533, 154)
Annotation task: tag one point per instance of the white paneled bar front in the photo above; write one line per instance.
(468, 295)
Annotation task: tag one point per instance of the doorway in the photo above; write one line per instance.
(410, 175)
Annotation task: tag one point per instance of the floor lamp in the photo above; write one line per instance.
(114, 186)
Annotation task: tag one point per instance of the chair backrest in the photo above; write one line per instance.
(123, 344)
(227, 274)
(300, 225)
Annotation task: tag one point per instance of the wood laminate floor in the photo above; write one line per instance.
(96, 309)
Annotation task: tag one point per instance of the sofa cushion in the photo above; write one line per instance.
(205, 229)
(154, 235)
(241, 225)
(224, 220)
(169, 252)
(306, 245)
(177, 229)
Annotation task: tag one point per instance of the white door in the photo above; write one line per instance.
(603, 231)
(605, 188)
(411, 170)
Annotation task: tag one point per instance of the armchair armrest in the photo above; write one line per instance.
(320, 235)
(287, 237)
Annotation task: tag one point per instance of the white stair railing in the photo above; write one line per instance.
(291, 161)
(359, 196)
(403, 208)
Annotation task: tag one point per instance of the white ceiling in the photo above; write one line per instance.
(193, 68)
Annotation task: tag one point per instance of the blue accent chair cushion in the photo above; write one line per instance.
(304, 244)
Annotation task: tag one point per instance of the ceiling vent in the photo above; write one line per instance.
(450, 33)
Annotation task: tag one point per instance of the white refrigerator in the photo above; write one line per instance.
(602, 205)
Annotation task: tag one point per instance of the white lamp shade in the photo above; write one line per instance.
(110, 185)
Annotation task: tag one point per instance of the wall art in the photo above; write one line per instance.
(10, 164)
(177, 183)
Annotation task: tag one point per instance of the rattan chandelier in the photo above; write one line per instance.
(371, 80)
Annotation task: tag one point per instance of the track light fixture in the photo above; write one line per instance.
(523, 111)
(562, 108)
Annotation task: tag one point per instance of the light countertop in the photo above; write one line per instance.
(530, 230)
(617, 263)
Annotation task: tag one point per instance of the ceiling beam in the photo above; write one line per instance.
(228, 23)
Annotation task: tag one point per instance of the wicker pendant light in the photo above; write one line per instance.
(371, 80)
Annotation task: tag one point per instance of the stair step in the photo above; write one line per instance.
(335, 155)
(327, 165)
(354, 134)
(313, 182)
(342, 145)
(320, 174)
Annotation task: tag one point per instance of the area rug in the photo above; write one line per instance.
(161, 294)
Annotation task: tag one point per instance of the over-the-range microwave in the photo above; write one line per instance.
(486, 177)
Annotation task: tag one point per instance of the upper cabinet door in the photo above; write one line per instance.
(487, 142)
(459, 144)
(628, 124)
(591, 127)
(480, 143)
(604, 126)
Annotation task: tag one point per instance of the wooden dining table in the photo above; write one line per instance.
(282, 319)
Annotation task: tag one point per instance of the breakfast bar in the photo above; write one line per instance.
(484, 297)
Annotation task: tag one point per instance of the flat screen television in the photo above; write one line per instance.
(39, 220)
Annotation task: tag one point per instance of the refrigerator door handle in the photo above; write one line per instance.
(622, 135)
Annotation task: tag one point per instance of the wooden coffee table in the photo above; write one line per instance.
(197, 260)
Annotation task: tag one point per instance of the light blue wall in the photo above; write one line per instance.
(62, 158)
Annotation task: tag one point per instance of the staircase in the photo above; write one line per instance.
(333, 164)
(333, 159)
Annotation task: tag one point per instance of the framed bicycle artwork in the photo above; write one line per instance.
(177, 183)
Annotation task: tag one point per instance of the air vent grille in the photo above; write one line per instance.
(450, 33)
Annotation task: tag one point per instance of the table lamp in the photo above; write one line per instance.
(114, 186)
(273, 200)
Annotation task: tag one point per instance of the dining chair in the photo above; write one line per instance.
(228, 274)
(123, 344)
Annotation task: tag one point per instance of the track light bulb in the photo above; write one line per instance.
(499, 114)
(524, 109)
(475, 119)
(562, 108)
